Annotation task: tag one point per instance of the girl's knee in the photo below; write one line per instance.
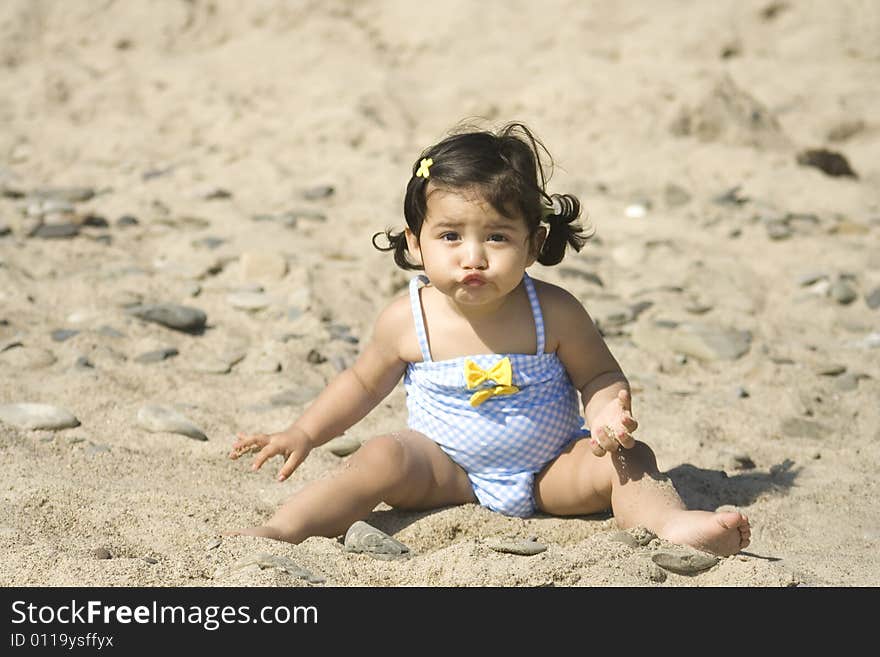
(382, 454)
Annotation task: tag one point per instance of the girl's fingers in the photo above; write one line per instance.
(264, 455)
(608, 439)
(291, 464)
(629, 423)
(625, 399)
(596, 447)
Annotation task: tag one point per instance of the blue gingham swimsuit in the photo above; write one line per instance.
(506, 440)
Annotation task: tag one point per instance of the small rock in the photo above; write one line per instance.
(522, 547)
(676, 196)
(294, 397)
(61, 335)
(705, 342)
(150, 560)
(101, 553)
(778, 230)
(741, 393)
(850, 381)
(731, 197)
(315, 357)
(180, 318)
(156, 355)
(37, 416)
(634, 538)
(873, 298)
(800, 428)
(318, 192)
(83, 363)
(262, 266)
(811, 277)
(215, 543)
(684, 563)
(156, 419)
(127, 220)
(829, 162)
(55, 231)
(366, 539)
(249, 300)
(842, 293)
(343, 445)
(264, 560)
(829, 369)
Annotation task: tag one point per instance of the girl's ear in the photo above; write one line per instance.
(412, 245)
(537, 244)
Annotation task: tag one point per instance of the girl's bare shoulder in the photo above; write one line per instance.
(562, 311)
(395, 329)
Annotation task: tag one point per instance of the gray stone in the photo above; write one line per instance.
(110, 332)
(262, 266)
(264, 560)
(366, 539)
(157, 355)
(843, 293)
(635, 537)
(518, 546)
(127, 220)
(829, 369)
(102, 553)
(797, 427)
(343, 445)
(37, 416)
(63, 334)
(700, 341)
(318, 192)
(849, 381)
(179, 318)
(156, 419)
(67, 194)
(294, 397)
(684, 563)
(778, 230)
(27, 358)
(811, 277)
(676, 195)
(249, 300)
(873, 298)
(56, 231)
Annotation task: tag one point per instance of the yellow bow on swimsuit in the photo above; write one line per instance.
(501, 373)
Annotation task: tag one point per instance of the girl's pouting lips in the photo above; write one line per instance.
(474, 280)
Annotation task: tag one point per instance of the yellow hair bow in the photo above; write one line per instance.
(501, 373)
(424, 167)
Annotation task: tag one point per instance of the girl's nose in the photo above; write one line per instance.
(474, 257)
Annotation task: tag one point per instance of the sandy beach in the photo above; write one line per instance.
(235, 158)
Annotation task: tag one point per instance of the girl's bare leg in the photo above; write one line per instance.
(629, 483)
(404, 469)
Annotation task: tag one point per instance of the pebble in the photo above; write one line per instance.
(262, 266)
(101, 553)
(684, 563)
(797, 427)
(636, 211)
(778, 230)
(248, 300)
(829, 162)
(61, 335)
(318, 192)
(265, 560)
(180, 318)
(741, 393)
(518, 546)
(342, 332)
(37, 416)
(157, 355)
(701, 341)
(156, 418)
(315, 357)
(366, 539)
(294, 397)
(731, 197)
(127, 220)
(873, 298)
(68, 194)
(849, 381)
(209, 243)
(829, 369)
(811, 277)
(843, 293)
(150, 560)
(55, 231)
(343, 445)
(83, 363)
(676, 195)
(27, 358)
(635, 537)
(214, 543)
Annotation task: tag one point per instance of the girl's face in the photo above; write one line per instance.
(470, 252)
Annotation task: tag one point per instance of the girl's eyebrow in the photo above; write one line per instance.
(495, 225)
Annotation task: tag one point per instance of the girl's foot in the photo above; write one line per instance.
(722, 533)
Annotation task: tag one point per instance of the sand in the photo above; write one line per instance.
(259, 145)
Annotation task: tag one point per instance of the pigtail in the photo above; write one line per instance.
(560, 214)
(397, 244)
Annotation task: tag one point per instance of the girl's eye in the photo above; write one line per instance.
(449, 237)
(497, 238)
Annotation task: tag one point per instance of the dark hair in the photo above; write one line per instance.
(505, 168)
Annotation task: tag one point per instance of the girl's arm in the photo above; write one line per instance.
(353, 393)
(346, 399)
(593, 370)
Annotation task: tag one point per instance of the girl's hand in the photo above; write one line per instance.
(293, 444)
(612, 428)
